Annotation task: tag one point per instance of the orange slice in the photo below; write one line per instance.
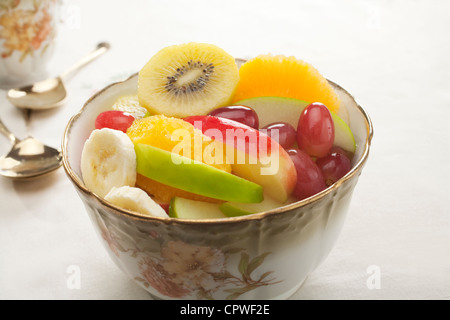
(281, 76)
(162, 193)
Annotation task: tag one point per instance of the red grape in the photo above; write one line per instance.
(242, 114)
(309, 177)
(334, 166)
(315, 131)
(114, 119)
(286, 136)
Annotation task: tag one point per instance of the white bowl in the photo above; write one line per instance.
(261, 256)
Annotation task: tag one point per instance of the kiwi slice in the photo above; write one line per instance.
(187, 79)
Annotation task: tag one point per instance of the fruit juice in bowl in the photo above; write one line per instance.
(201, 187)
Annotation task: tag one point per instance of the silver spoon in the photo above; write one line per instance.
(50, 93)
(28, 158)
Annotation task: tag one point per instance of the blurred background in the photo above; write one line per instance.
(392, 56)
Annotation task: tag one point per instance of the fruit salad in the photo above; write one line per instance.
(205, 139)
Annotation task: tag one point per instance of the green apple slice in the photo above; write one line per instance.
(192, 209)
(194, 176)
(289, 110)
(235, 209)
(271, 109)
(343, 136)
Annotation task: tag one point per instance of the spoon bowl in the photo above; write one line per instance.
(44, 94)
(28, 158)
(50, 93)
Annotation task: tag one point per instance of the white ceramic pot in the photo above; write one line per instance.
(27, 34)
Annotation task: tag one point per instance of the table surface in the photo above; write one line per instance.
(393, 56)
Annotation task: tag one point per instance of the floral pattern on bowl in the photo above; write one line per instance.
(180, 269)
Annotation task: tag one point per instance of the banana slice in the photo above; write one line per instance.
(108, 160)
(135, 199)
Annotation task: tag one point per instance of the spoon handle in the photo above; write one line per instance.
(4, 130)
(101, 48)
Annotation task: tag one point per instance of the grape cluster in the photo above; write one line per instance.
(318, 162)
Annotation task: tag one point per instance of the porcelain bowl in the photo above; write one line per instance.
(261, 256)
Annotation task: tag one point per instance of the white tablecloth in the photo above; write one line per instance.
(393, 56)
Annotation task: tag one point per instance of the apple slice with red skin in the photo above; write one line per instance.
(253, 155)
